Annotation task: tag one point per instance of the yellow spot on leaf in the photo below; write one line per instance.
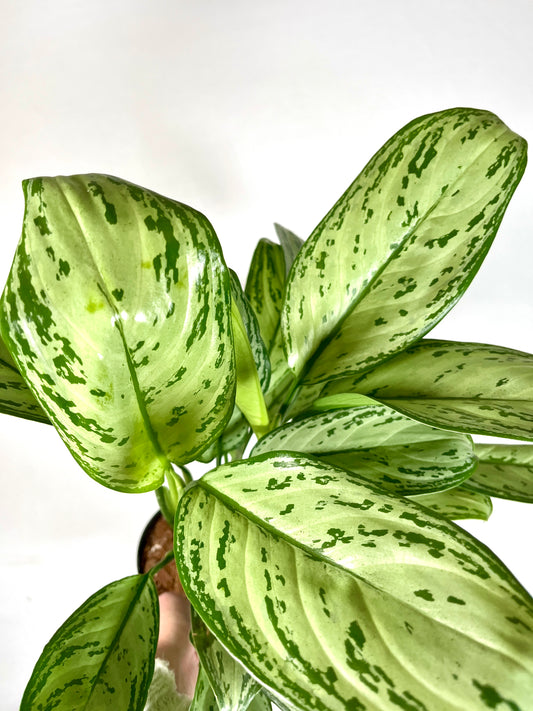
(93, 306)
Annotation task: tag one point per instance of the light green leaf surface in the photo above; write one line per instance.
(249, 397)
(400, 247)
(265, 287)
(102, 657)
(251, 360)
(233, 687)
(15, 396)
(377, 443)
(117, 311)
(466, 387)
(264, 293)
(233, 440)
(290, 243)
(260, 702)
(204, 699)
(340, 596)
(504, 470)
(457, 503)
(253, 333)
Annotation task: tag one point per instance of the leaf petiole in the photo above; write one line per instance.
(159, 566)
(168, 496)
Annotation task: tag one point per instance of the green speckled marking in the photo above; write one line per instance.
(504, 470)
(106, 648)
(232, 686)
(466, 387)
(377, 443)
(329, 627)
(414, 226)
(77, 322)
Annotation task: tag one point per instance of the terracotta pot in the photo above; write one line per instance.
(156, 540)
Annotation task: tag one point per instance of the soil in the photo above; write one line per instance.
(157, 540)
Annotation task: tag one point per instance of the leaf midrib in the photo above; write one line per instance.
(235, 507)
(117, 321)
(444, 398)
(332, 334)
(145, 579)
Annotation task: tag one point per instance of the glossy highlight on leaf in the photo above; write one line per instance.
(269, 548)
(116, 297)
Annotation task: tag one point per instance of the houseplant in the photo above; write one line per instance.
(324, 569)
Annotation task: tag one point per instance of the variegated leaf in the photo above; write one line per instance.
(281, 379)
(204, 698)
(102, 657)
(233, 687)
(249, 398)
(264, 291)
(457, 503)
(377, 443)
(466, 387)
(117, 311)
(400, 247)
(15, 396)
(504, 470)
(290, 243)
(261, 702)
(232, 441)
(339, 596)
(265, 287)
(253, 333)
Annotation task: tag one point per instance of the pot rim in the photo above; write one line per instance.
(142, 542)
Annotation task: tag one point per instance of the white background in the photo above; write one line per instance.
(252, 112)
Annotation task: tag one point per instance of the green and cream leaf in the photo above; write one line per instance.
(253, 333)
(232, 441)
(429, 618)
(465, 387)
(251, 360)
(102, 657)
(402, 244)
(15, 396)
(457, 503)
(265, 287)
(117, 312)
(377, 443)
(504, 471)
(204, 699)
(290, 243)
(233, 687)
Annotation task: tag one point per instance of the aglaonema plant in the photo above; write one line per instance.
(319, 552)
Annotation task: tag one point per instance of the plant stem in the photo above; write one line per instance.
(158, 566)
(168, 496)
(162, 501)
